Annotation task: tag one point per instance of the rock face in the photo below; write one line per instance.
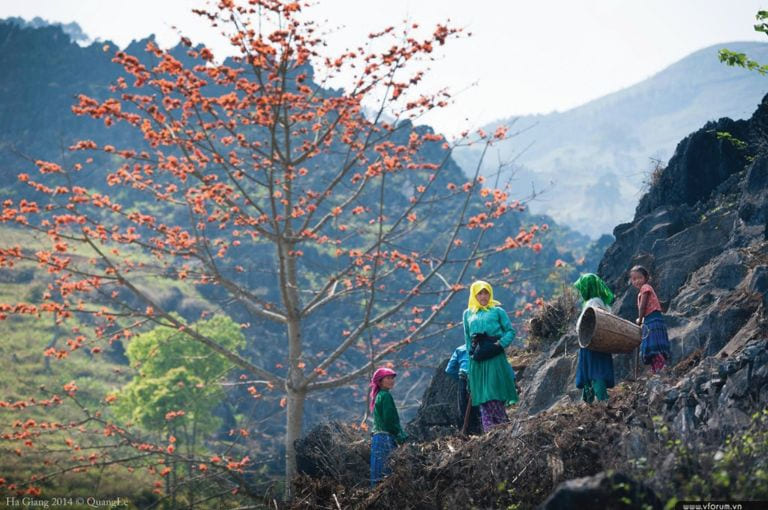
(550, 378)
(701, 231)
(718, 396)
(700, 164)
(604, 490)
(438, 414)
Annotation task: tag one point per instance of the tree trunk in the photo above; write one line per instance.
(191, 455)
(295, 384)
(293, 422)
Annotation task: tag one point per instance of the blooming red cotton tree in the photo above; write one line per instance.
(291, 199)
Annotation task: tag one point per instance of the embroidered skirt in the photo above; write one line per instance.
(493, 413)
(655, 339)
(382, 445)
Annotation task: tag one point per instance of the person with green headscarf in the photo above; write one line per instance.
(594, 373)
(487, 331)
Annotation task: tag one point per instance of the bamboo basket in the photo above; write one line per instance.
(599, 330)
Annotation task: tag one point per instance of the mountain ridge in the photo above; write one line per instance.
(596, 159)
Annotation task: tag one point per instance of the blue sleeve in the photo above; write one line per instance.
(464, 361)
(452, 368)
(508, 333)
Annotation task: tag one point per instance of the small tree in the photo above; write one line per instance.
(291, 202)
(177, 388)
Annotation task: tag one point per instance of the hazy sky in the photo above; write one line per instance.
(531, 56)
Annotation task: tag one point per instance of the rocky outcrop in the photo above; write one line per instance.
(701, 230)
(701, 162)
(438, 413)
(718, 396)
(549, 379)
(610, 491)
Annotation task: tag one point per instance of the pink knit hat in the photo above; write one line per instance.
(378, 375)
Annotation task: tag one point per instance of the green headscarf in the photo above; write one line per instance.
(592, 286)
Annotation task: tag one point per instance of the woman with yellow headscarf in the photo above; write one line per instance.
(487, 331)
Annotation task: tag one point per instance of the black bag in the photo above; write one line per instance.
(484, 347)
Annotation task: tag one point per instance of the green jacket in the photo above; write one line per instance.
(492, 379)
(385, 417)
(494, 322)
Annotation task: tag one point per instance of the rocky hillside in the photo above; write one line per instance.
(697, 431)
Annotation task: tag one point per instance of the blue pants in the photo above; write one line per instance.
(474, 414)
(382, 445)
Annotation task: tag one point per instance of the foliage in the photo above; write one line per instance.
(738, 59)
(176, 374)
(741, 470)
(177, 391)
(728, 137)
(243, 168)
(738, 470)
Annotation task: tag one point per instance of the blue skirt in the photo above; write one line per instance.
(382, 445)
(594, 366)
(655, 339)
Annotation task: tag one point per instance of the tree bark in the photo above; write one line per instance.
(293, 421)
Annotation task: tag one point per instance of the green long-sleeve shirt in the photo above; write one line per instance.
(385, 417)
(493, 322)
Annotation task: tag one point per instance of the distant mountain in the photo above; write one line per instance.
(595, 160)
(72, 29)
(45, 70)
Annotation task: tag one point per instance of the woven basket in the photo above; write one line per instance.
(601, 331)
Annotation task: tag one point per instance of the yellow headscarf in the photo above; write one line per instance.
(474, 304)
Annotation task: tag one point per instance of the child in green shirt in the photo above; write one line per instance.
(386, 423)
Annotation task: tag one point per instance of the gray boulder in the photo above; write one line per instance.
(438, 414)
(605, 490)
